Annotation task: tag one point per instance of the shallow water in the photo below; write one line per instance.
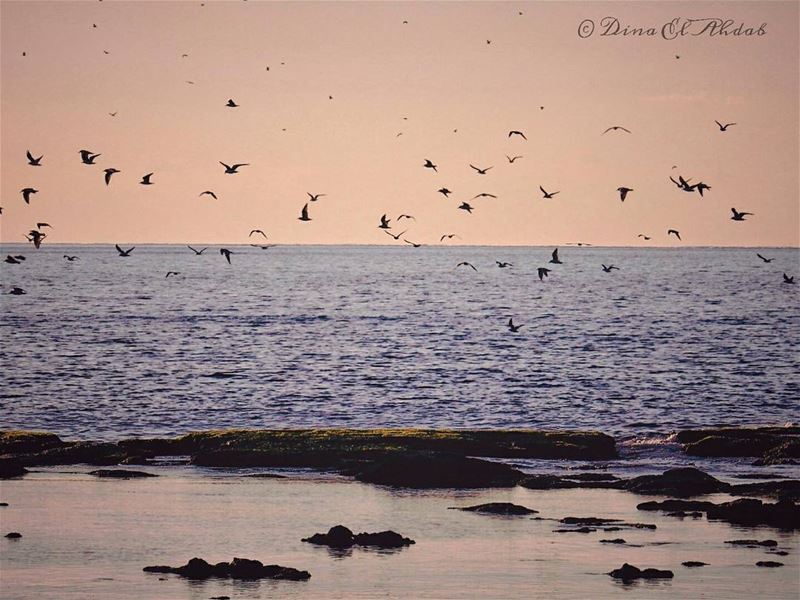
(106, 347)
(93, 537)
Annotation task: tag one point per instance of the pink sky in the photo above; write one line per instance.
(440, 73)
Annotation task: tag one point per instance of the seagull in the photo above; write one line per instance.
(114, 114)
(484, 195)
(109, 172)
(71, 258)
(262, 246)
(674, 232)
(700, 187)
(384, 223)
(226, 253)
(196, 251)
(542, 272)
(171, 273)
(555, 260)
(723, 127)
(503, 265)
(406, 217)
(412, 243)
(429, 165)
(36, 237)
(396, 237)
(683, 184)
(444, 191)
(480, 171)
(609, 268)
(623, 192)
(787, 279)
(449, 236)
(547, 194)
(232, 169)
(739, 216)
(304, 214)
(466, 264)
(513, 328)
(615, 128)
(511, 160)
(17, 291)
(257, 231)
(210, 193)
(766, 260)
(40, 225)
(88, 157)
(26, 194)
(519, 133)
(146, 179)
(315, 197)
(465, 206)
(123, 252)
(231, 104)
(34, 162)
(641, 235)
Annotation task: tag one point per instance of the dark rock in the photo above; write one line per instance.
(220, 598)
(26, 442)
(238, 568)
(779, 552)
(136, 460)
(10, 468)
(782, 454)
(383, 539)
(786, 489)
(338, 536)
(750, 512)
(439, 471)
(676, 505)
(73, 453)
(685, 481)
(753, 543)
(694, 563)
(342, 537)
(13, 535)
(158, 569)
(592, 477)
(121, 474)
(769, 563)
(266, 476)
(546, 482)
(586, 521)
(576, 530)
(682, 515)
(498, 508)
(614, 541)
(628, 572)
(3, 503)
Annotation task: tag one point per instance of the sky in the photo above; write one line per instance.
(435, 80)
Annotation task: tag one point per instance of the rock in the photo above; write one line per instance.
(14, 535)
(676, 505)
(342, 537)
(592, 477)
(220, 598)
(238, 568)
(266, 476)
(338, 536)
(73, 453)
(769, 563)
(779, 552)
(3, 503)
(782, 454)
(136, 460)
(438, 471)
(10, 468)
(576, 530)
(26, 442)
(694, 563)
(498, 508)
(682, 515)
(546, 482)
(786, 489)
(383, 539)
(586, 521)
(753, 543)
(685, 481)
(628, 572)
(121, 474)
(751, 512)
(614, 541)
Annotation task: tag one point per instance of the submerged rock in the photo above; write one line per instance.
(628, 572)
(753, 543)
(340, 536)
(769, 563)
(121, 474)
(583, 529)
(238, 568)
(684, 481)
(676, 505)
(614, 541)
(10, 468)
(14, 535)
(498, 508)
(694, 563)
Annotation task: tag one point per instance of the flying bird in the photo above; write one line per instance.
(609, 268)
(396, 237)
(444, 191)
(384, 223)
(466, 264)
(547, 194)
(406, 217)
(429, 165)
(123, 252)
(412, 243)
(674, 232)
(555, 260)
(700, 187)
(146, 179)
(641, 235)
(484, 195)
(231, 104)
(315, 197)
(17, 291)
(511, 160)
(88, 157)
(542, 272)
(480, 171)
(766, 260)
(513, 328)
(739, 216)
(40, 225)
(34, 162)
(71, 258)
(304, 214)
(226, 253)
(503, 265)
(232, 169)
(683, 183)
(257, 231)
(196, 251)
(26, 194)
(615, 128)
(519, 133)
(466, 206)
(210, 193)
(723, 127)
(109, 172)
(171, 273)
(623, 192)
(787, 279)
(449, 236)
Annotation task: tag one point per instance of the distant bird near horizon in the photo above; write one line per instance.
(674, 232)
(396, 237)
(114, 114)
(519, 133)
(412, 243)
(171, 273)
(641, 235)
(252, 231)
(787, 279)
(406, 217)
(384, 223)
(543, 272)
(34, 162)
(739, 216)
(615, 128)
(315, 197)
(547, 194)
(304, 213)
(196, 251)
(483, 195)
(233, 169)
(210, 193)
(146, 179)
(766, 260)
(40, 225)
(480, 171)
(555, 260)
(263, 246)
(26, 194)
(226, 253)
(444, 191)
(124, 252)
(511, 160)
(513, 328)
(449, 236)
(36, 237)
(623, 192)
(231, 103)
(88, 157)
(723, 127)
(466, 206)
(467, 264)
(109, 172)
(503, 265)
(609, 268)
(71, 258)
(429, 165)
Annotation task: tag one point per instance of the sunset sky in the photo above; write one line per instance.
(424, 79)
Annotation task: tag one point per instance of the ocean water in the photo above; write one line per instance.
(106, 347)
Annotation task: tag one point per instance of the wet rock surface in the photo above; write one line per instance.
(628, 572)
(498, 508)
(238, 568)
(769, 563)
(121, 474)
(13, 535)
(340, 536)
(694, 563)
(774, 445)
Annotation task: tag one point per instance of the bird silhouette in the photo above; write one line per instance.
(739, 216)
(615, 128)
(109, 172)
(406, 217)
(466, 206)
(449, 236)
(674, 232)
(609, 268)
(146, 179)
(231, 104)
(766, 260)
(70, 258)
(699, 187)
(196, 251)
(723, 127)
(210, 193)
(519, 133)
(17, 291)
(542, 272)
(466, 264)
(787, 279)
(623, 192)
(641, 235)
(226, 253)
(555, 260)
(513, 328)
(682, 183)
(13, 260)
(412, 243)
(88, 157)
(484, 195)
(41, 225)
(124, 252)
(512, 159)
(252, 231)
(480, 171)
(384, 223)
(315, 197)
(547, 194)
(34, 162)
(503, 265)
(444, 191)
(26, 194)
(304, 214)
(396, 237)
(171, 273)
(233, 169)
(429, 165)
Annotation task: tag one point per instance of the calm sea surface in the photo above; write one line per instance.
(105, 347)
